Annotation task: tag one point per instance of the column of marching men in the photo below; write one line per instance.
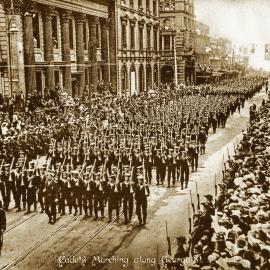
(108, 153)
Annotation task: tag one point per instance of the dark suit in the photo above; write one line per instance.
(141, 194)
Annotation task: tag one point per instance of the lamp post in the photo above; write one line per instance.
(12, 30)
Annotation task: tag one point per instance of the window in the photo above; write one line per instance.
(155, 40)
(36, 33)
(97, 35)
(148, 5)
(124, 36)
(71, 34)
(167, 42)
(55, 32)
(141, 38)
(149, 38)
(155, 7)
(85, 35)
(132, 37)
(131, 3)
(140, 4)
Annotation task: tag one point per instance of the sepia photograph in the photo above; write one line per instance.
(134, 134)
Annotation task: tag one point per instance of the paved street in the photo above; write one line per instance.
(30, 243)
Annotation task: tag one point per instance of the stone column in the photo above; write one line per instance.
(48, 47)
(29, 53)
(93, 51)
(67, 83)
(112, 38)
(80, 20)
(105, 49)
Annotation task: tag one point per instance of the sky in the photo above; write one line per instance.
(242, 21)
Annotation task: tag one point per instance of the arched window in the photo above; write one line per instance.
(124, 78)
(148, 76)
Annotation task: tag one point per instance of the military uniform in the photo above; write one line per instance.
(142, 191)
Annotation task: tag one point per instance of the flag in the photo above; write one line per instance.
(267, 52)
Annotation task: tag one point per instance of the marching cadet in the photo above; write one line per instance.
(65, 185)
(202, 140)
(98, 196)
(20, 178)
(184, 170)
(148, 164)
(11, 186)
(128, 189)
(160, 168)
(41, 187)
(193, 156)
(88, 194)
(171, 165)
(30, 190)
(142, 191)
(113, 191)
(2, 184)
(3, 224)
(4, 178)
(50, 198)
(77, 191)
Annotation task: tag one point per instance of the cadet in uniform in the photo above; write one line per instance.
(141, 193)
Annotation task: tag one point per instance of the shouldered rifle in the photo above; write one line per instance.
(168, 240)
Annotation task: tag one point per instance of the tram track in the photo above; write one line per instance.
(21, 222)
(38, 244)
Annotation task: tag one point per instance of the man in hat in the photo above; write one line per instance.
(77, 190)
(142, 191)
(51, 190)
(3, 180)
(160, 167)
(113, 191)
(128, 189)
(66, 188)
(21, 187)
(184, 165)
(88, 194)
(30, 190)
(41, 180)
(10, 186)
(171, 165)
(99, 193)
(3, 224)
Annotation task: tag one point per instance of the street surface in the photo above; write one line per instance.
(31, 243)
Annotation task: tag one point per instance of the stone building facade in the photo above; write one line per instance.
(177, 26)
(137, 45)
(64, 43)
(202, 44)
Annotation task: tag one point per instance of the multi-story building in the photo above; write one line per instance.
(177, 41)
(49, 43)
(137, 45)
(220, 54)
(202, 44)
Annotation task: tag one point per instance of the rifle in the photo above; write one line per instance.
(198, 196)
(157, 258)
(189, 219)
(168, 240)
(228, 153)
(193, 206)
(215, 188)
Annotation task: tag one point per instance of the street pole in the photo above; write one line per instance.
(10, 60)
(175, 60)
